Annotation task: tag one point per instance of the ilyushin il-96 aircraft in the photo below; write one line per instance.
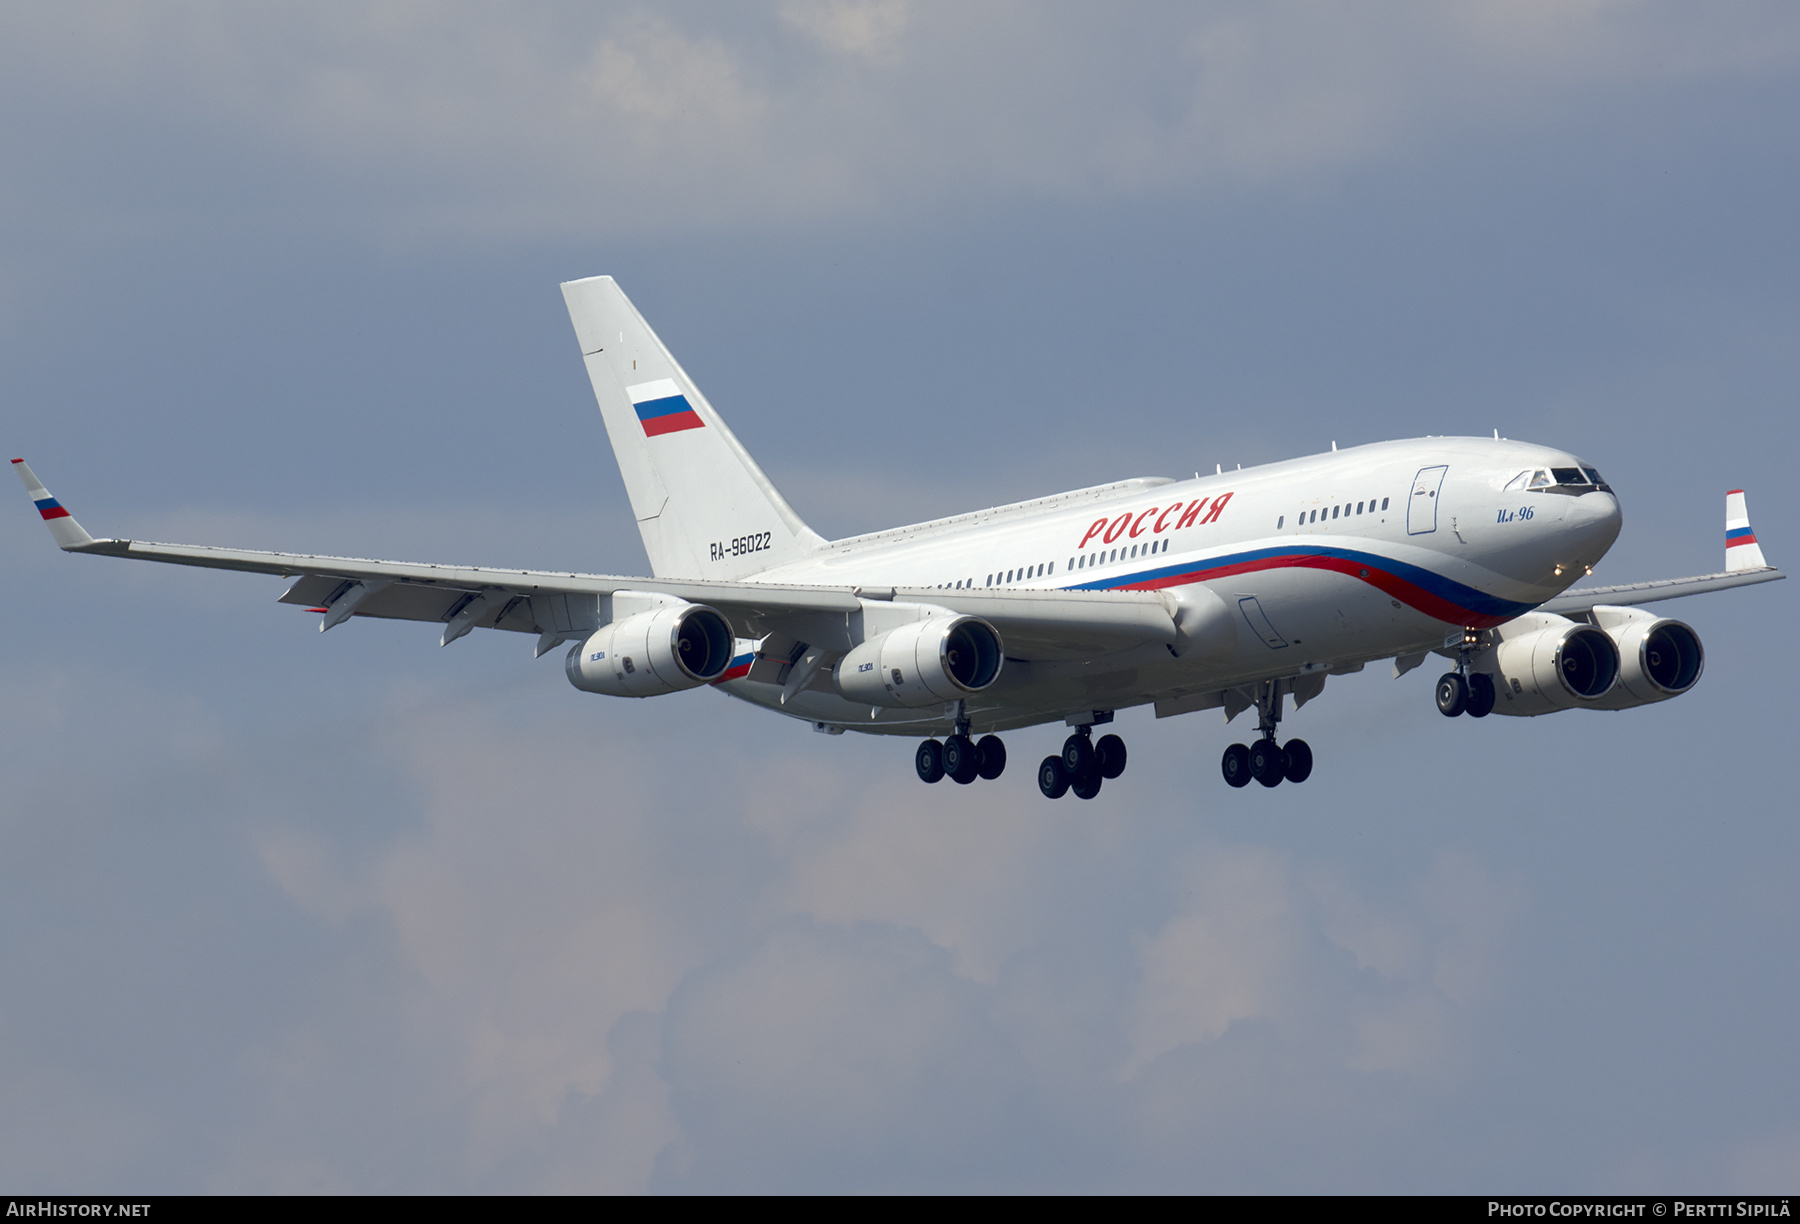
(1243, 590)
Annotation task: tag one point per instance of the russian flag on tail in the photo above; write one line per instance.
(1742, 552)
(661, 408)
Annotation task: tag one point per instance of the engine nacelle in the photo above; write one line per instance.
(937, 659)
(1546, 663)
(663, 650)
(1658, 658)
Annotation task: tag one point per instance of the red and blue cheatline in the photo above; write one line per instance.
(1431, 593)
(662, 409)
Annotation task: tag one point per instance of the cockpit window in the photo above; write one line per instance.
(1571, 480)
(1517, 482)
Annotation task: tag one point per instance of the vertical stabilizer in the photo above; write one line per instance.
(704, 508)
(1742, 552)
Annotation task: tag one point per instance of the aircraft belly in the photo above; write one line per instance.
(1307, 616)
(1278, 622)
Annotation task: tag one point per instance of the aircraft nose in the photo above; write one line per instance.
(1594, 522)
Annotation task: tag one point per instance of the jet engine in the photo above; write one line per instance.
(937, 659)
(1546, 663)
(1658, 658)
(663, 650)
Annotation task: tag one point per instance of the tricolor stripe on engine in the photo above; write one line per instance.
(739, 668)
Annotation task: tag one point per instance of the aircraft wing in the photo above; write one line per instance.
(560, 606)
(1584, 598)
(1744, 566)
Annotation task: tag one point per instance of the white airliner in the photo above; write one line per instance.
(1237, 590)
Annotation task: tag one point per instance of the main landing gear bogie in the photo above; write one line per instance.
(960, 759)
(1082, 765)
(1266, 761)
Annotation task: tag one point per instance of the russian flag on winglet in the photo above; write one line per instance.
(661, 408)
(1742, 552)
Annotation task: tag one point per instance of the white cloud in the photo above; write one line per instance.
(483, 120)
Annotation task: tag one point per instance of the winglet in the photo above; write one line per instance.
(1742, 552)
(66, 530)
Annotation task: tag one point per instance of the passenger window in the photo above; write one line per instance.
(1359, 507)
(1334, 511)
(1384, 502)
(1279, 520)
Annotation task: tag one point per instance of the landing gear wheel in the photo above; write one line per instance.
(1236, 765)
(1109, 756)
(1088, 787)
(992, 755)
(1053, 779)
(961, 762)
(1452, 695)
(929, 761)
(1481, 695)
(1078, 756)
(1268, 763)
(1299, 761)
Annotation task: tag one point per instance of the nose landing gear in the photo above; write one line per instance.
(1266, 761)
(1465, 691)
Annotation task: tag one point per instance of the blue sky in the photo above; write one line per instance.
(285, 912)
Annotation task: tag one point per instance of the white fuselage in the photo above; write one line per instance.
(1324, 563)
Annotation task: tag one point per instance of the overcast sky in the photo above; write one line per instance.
(284, 912)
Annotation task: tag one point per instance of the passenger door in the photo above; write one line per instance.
(1421, 506)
